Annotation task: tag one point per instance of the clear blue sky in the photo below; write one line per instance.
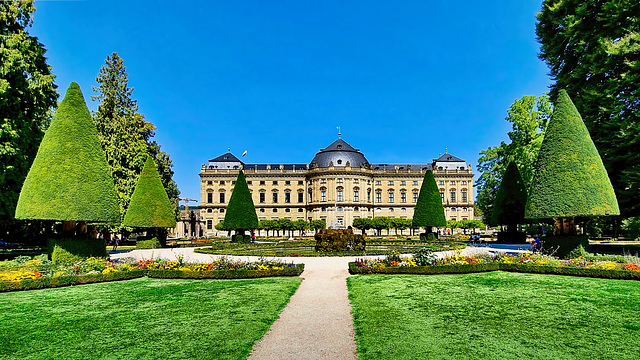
(403, 79)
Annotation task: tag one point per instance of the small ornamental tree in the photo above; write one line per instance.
(570, 180)
(429, 211)
(510, 201)
(69, 179)
(150, 206)
(241, 213)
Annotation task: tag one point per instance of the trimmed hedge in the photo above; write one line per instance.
(69, 280)
(570, 179)
(225, 274)
(70, 179)
(522, 268)
(429, 210)
(508, 206)
(148, 244)
(150, 206)
(70, 251)
(241, 212)
(562, 246)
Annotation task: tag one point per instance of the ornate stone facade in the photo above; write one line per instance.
(338, 186)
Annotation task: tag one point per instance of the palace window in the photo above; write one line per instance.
(340, 208)
(378, 196)
(323, 195)
(403, 209)
(369, 195)
(464, 196)
(261, 210)
(464, 183)
(403, 197)
(275, 210)
(262, 182)
(453, 196)
(415, 183)
(222, 182)
(209, 224)
(415, 196)
(390, 182)
(391, 196)
(356, 181)
(249, 182)
(275, 182)
(442, 197)
(323, 181)
(221, 198)
(287, 197)
(233, 182)
(378, 182)
(452, 183)
(209, 182)
(274, 197)
(301, 210)
(300, 197)
(403, 183)
(287, 182)
(441, 182)
(210, 198)
(209, 210)
(262, 198)
(340, 180)
(300, 182)
(356, 195)
(465, 209)
(287, 210)
(340, 195)
(221, 211)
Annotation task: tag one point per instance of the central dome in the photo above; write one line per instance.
(339, 153)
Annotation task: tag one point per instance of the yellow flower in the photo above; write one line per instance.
(109, 270)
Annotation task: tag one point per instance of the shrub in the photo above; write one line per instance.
(148, 244)
(562, 246)
(241, 238)
(339, 240)
(428, 237)
(425, 257)
(70, 251)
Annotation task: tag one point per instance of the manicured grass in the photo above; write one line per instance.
(495, 315)
(142, 319)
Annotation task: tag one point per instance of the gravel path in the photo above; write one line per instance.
(317, 323)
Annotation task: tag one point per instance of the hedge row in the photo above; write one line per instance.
(522, 268)
(60, 281)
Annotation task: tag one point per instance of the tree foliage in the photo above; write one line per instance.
(570, 179)
(241, 213)
(511, 200)
(70, 178)
(429, 211)
(529, 117)
(27, 96)
(124, 133)
(592, 49)
(150, 206)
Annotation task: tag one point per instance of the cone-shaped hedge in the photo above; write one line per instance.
(241, 213)
(508, 207)
(150, 206)
(70, 179)
(429, 211)
(570, 179)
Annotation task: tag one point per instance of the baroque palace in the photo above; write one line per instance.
(338, 186)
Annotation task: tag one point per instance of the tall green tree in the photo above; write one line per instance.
(241, 212)
(592, 49)
(429, 211)
(570, 179)
(150, 206)
(27, 97)
(529, 117)
(510, 201)
(124, 133)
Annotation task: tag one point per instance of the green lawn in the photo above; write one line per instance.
(142, 319)
(495, 315)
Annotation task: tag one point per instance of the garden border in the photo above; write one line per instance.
(70, 280)
(487, 267)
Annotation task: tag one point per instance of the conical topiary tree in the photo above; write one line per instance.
(570, 180)
(150, 206)
(241, 213)
(508, 207)
(429, 211)
(69, 179)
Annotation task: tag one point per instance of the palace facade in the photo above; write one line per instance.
(338, 185)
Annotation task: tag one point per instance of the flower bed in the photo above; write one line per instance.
(38, 273)
(526, 262)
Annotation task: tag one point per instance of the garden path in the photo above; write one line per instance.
(317, 323)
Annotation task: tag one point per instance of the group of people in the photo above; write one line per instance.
(115, 240)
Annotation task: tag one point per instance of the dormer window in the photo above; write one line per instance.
(339, 161)
(339, 146)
